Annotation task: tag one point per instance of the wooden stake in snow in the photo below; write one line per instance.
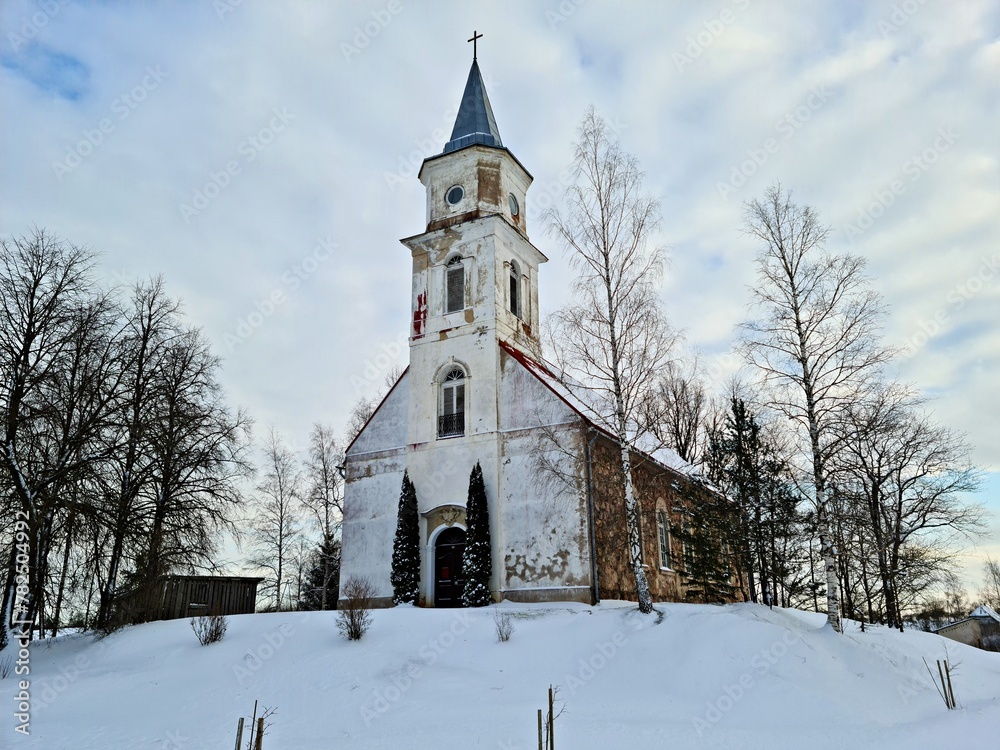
(239, 733)
(951, 693)
(552, 723)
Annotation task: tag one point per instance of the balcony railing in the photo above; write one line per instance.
(451, 425)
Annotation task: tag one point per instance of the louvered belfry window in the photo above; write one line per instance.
(515, 283)
(454, 286)
(451, 420)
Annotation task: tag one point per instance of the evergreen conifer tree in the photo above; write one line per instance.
(477, 560)
(405, 574)
(325, 564)
(708, 524)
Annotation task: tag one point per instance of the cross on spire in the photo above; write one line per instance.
(475, 37)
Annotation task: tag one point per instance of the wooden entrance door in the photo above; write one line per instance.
(448, 580)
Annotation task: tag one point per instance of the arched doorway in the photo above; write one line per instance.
(448, 579)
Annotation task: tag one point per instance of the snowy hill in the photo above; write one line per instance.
(703, 677)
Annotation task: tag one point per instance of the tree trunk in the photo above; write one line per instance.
(634, 539)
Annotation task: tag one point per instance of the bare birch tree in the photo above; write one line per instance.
(910, 475)
(276, 523)
(816, 341)
(614, 336)
(324, 498)
(989, 594)
(679, 410)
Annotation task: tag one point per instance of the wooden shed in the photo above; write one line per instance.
(180, 596)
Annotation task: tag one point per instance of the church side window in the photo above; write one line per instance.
(451, 418)
(454, 286)
(515, 288)
(663, 532)
(688, 550)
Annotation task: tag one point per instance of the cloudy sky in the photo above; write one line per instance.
(262, 156)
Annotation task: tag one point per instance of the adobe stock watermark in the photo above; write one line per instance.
(713, 29)
(369, 30)
(408, 166)
(563, 11)
(913, 685)
(734, 692)
(224, 7)
(291, 280)
(376, 367)
(956, 299)
(899, 17)
(383, 699)
(121, 108)
(600, 657)
(257, 657)
(248, 150)
(31, 26)
(546, 194)
(721, 367)
(20, 632)
(48, 690)
(786, 127)
(911, 171)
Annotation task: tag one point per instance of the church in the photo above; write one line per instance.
(478, 390)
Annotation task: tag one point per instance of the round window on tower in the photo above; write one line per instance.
(514, 207)
(454, 195)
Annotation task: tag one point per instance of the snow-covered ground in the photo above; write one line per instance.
(703, 677)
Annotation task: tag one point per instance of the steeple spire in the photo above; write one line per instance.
(475, 122)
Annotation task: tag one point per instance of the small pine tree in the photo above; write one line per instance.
(324, 567)
(708, 523)
(405, 575)
(477, 560)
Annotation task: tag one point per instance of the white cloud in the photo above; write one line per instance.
(357, 116)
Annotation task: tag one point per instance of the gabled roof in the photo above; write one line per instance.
(475, 122)
(376, 411)
(979, 612)
(983, 611)
(585, 403)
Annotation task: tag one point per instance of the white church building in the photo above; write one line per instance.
(477, 390)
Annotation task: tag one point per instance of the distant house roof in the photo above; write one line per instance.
(983, 611)
(585, 402)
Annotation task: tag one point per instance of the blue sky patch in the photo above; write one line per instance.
(50, 70)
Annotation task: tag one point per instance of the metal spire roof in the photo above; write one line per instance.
(475, 122)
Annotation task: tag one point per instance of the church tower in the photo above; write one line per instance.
(475, 284)
(471, 393)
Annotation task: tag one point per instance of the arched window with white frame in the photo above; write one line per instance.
(663, 537)
(451, 408)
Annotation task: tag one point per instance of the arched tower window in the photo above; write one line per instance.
(451, 413)
(454, 292)
(515, 289)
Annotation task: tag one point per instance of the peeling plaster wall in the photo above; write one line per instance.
(371, 497)
(375, 465)
(545, 544)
